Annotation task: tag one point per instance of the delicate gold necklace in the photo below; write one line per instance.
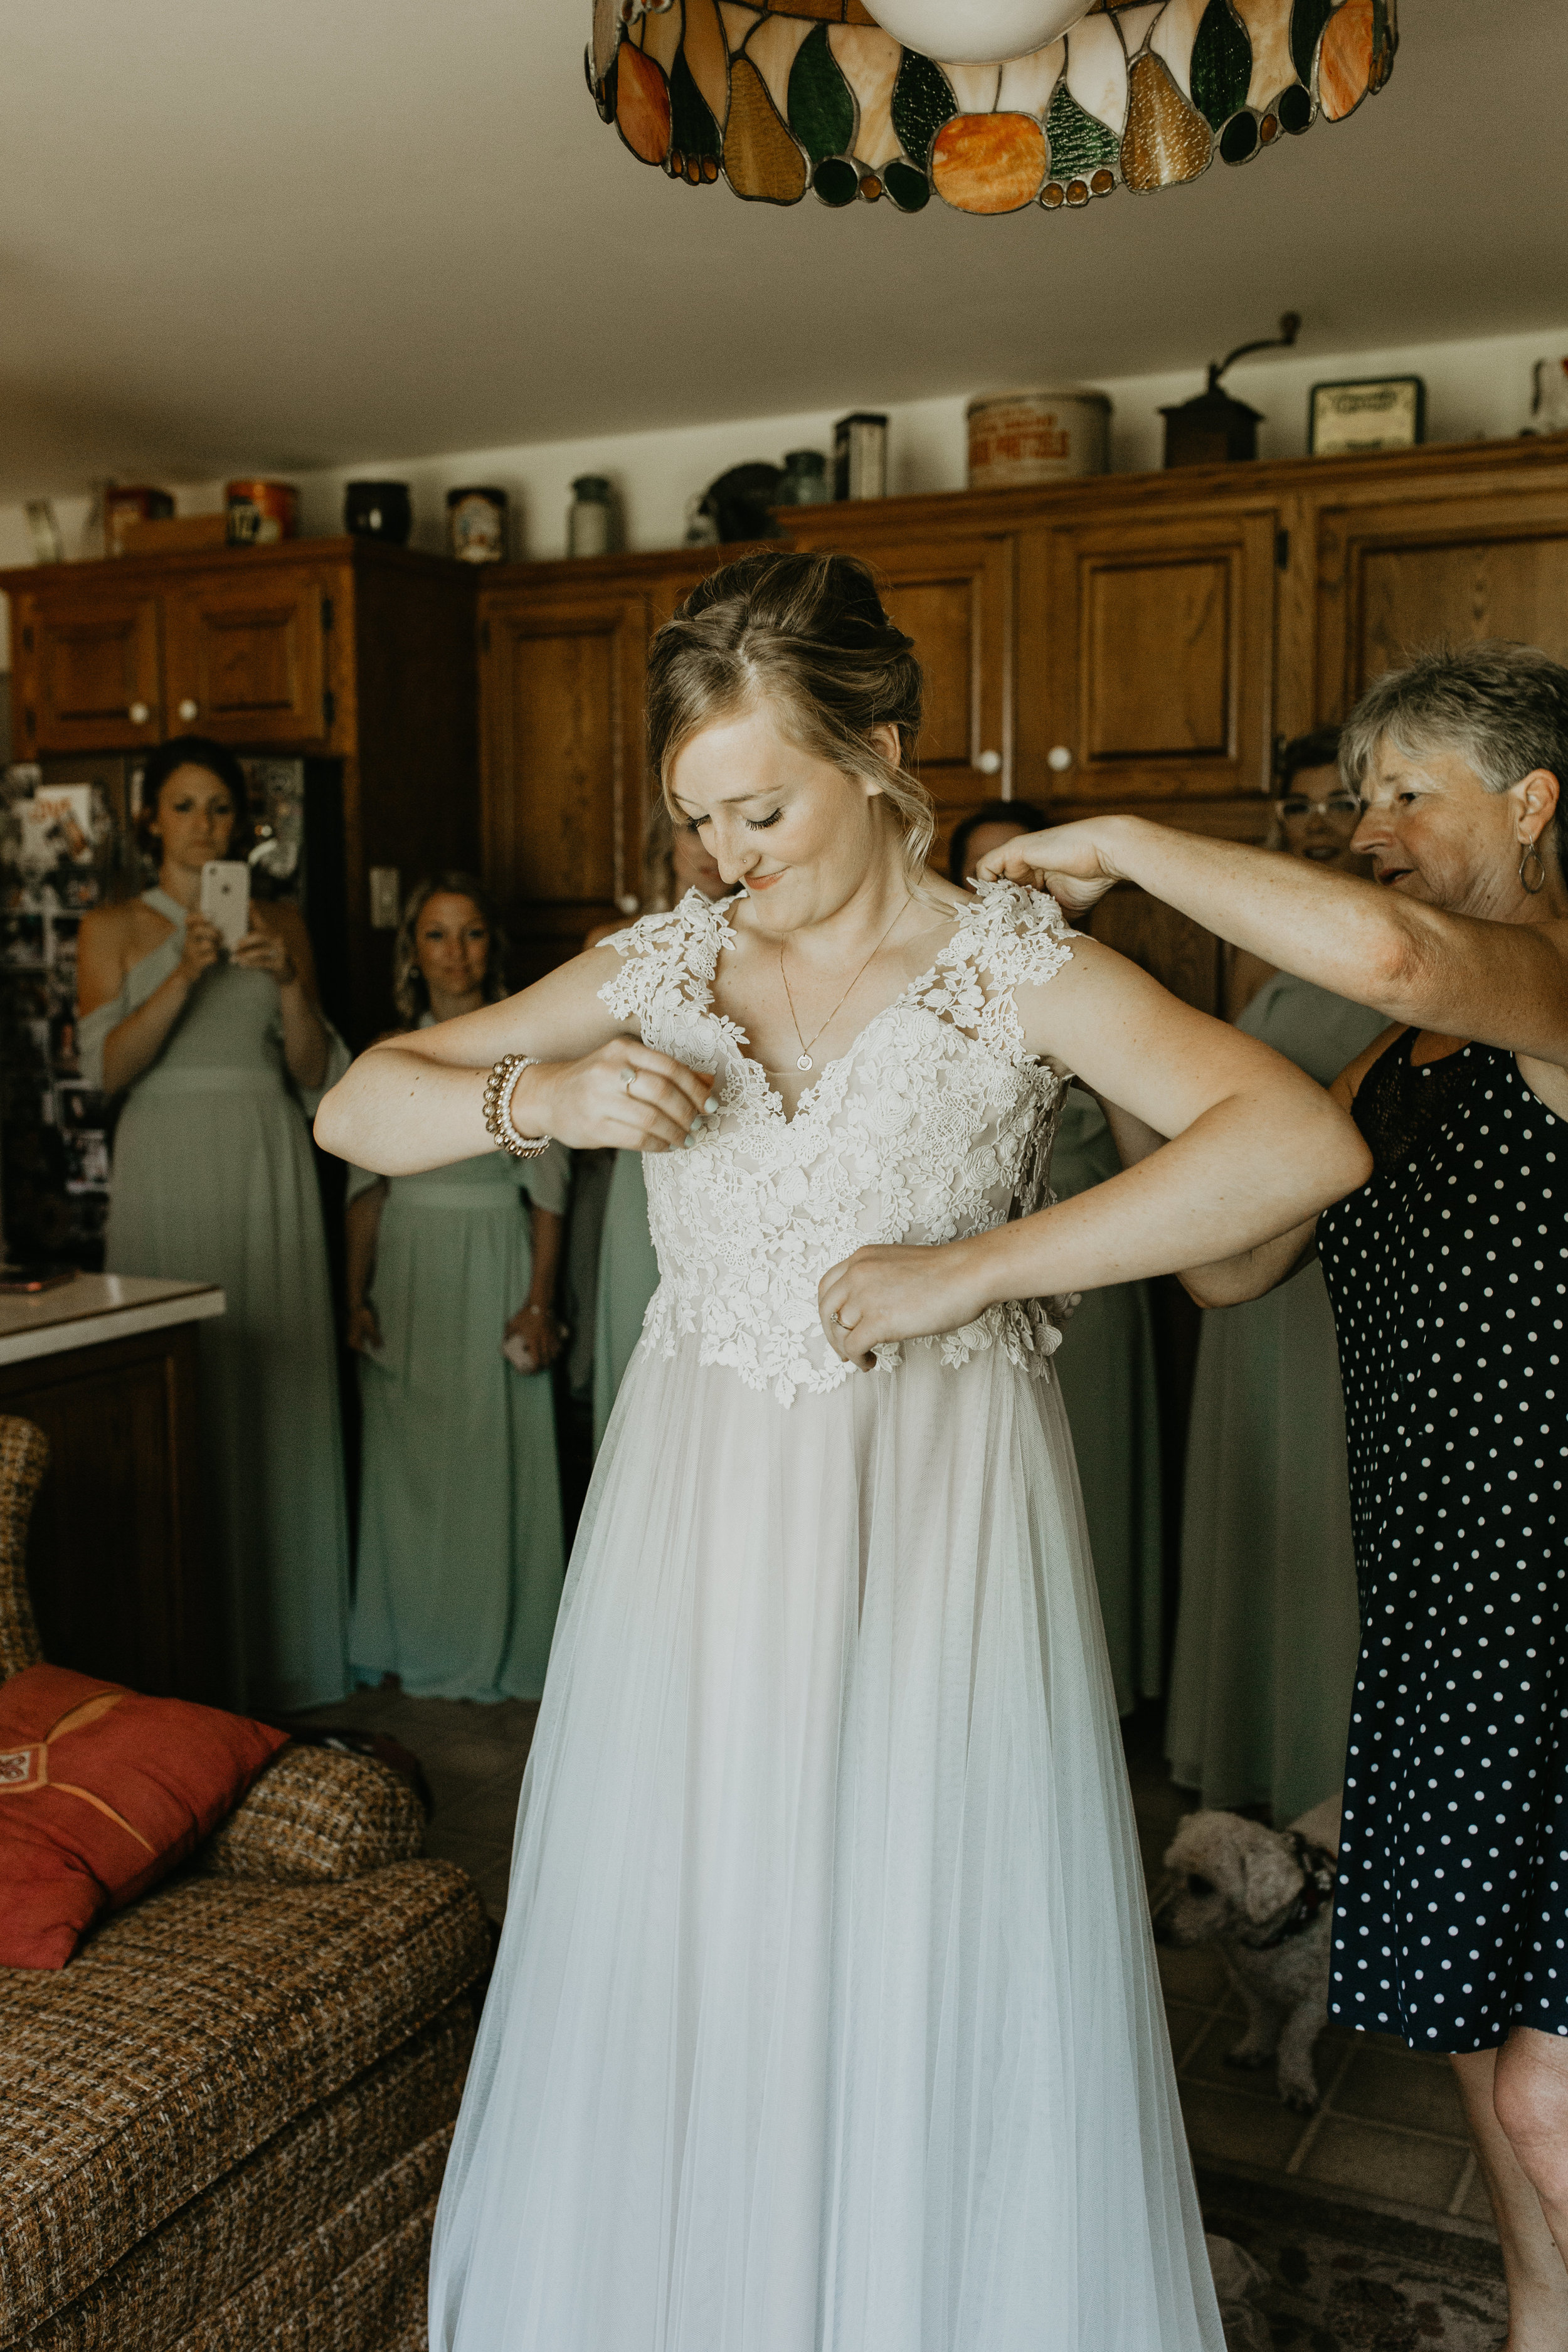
(804, 1063)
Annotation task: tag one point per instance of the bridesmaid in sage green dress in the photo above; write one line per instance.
(628, 1270)
(1105, 1366)
(1268, 1630)
(461, 1546)
(221, 1060)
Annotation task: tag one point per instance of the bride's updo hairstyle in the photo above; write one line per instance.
(806, 635)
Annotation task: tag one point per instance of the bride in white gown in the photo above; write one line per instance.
(826, 2017)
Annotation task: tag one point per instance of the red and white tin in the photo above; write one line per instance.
(1019, 438)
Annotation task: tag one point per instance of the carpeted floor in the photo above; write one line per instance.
(1340, 2279)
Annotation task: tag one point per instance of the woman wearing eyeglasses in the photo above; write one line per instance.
(1267, 1631)
(1448, 1274)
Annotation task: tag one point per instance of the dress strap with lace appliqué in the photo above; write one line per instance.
(1014, 938)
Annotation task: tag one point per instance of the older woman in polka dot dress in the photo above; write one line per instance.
(1449, 1273)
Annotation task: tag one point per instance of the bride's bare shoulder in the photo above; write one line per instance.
(938, 891)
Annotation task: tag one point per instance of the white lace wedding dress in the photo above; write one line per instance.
(826, 2017)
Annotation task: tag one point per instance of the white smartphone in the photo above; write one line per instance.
(225, 899)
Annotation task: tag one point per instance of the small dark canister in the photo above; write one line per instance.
(379, 511)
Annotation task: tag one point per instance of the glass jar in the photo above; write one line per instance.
(590, 517)
(805, 482)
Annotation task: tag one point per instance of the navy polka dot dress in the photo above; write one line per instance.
(1446, 1272)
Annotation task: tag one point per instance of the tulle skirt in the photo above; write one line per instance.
(826, 2017)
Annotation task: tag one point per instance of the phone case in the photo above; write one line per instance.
(225, 899)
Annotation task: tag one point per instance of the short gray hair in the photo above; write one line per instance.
(1503, 707)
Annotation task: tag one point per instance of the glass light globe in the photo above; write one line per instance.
(977, 32)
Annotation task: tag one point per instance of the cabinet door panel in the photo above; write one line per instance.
(1140, 709)
(1160, 673)
(89, 675)
(1394, 578)
(561, 701)
(245, 658)
(124, 1453)
(955, 602)
(954, 598)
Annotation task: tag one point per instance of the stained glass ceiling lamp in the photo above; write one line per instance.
(991, 104)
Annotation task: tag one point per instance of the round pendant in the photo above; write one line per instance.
(803, 1063)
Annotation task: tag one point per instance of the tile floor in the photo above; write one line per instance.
(1388, 2132)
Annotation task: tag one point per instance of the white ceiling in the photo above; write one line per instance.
(301, 233)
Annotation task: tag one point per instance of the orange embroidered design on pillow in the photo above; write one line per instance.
(24, 1771)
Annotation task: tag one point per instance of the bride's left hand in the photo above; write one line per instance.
(897, 1291)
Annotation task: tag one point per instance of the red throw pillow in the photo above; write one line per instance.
(103, 1793)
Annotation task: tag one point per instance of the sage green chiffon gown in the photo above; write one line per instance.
(1106, 1363)
(1111, 1389)
(461, 1548)
(1268, 1628)
(214, 1181)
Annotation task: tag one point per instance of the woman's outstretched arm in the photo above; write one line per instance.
(1257, 1148)
(415, 1101)
(1501, 982)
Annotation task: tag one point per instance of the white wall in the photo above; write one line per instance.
(1477, 390)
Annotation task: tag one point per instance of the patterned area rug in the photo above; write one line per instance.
(1336, 2279)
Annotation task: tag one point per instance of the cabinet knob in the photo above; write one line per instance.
(139, 714)
(989, 764)
(628, 903)
(1059, 757)
(189, 710)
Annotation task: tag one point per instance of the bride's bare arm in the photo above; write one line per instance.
(1257, 1148)
(1251, 1272)
(415, 1101)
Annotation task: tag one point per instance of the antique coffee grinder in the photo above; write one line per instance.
(1212, 429)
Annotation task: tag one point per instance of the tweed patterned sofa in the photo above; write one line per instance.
(222, 2123)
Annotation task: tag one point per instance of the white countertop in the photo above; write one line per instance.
(96, 1308)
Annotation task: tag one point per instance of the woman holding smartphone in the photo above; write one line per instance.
(451, 1284)
(221, 1053)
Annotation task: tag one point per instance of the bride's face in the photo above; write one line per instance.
(801, 835)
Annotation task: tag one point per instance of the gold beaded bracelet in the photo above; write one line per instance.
(500, 1088)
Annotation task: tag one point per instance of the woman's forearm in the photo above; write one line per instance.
(133, 1045)
(1503, 983)
(305, 1047)
(1345, 934)
(1247, 1171)
(399, 1112)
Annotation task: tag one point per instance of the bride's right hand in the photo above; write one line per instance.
(623, 1097)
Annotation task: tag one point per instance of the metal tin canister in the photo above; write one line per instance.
(261, 512)
(1018, 439)
(475, 525)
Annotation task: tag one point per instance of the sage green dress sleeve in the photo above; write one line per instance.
(1111, 1389)
(628, 1277)
(214, 1181)
(462, 1544)
(1268, 1630)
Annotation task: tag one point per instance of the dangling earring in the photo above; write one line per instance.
(1539, 883)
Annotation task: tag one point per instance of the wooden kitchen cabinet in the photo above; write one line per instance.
(1123, 642)
(117, 1556)
(1159, 684)
(1399, 575)
(89, 671)
(954, 595)
(244, 655)
(356, 657)
(565, 813)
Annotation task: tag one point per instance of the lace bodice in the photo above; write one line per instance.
(935, 1124)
